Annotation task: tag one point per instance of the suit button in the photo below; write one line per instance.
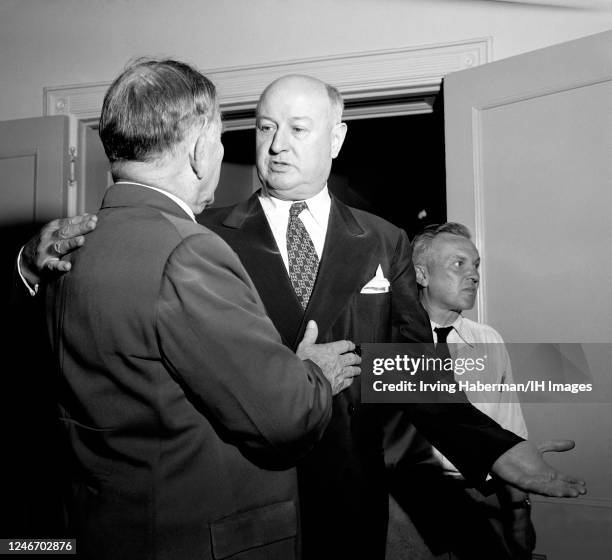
(351, 409)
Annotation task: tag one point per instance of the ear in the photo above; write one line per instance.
(422, 277)
(197, 154)
(337, 138)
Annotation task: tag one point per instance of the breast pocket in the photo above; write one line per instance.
(371, 317)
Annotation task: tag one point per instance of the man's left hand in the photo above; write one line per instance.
(524, 467)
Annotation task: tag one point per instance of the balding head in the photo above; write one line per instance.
(299, 132)
(311, 86)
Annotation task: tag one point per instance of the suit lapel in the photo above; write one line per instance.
(347, 252)
(258, 252)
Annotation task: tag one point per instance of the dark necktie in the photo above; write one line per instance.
(442, 347)
(303, 260)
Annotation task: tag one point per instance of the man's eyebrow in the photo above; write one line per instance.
(457, 255)
(309, 119)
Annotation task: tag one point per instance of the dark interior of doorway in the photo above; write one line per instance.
(390, 166)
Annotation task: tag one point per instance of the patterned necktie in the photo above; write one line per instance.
(442, 347)
(303, 260)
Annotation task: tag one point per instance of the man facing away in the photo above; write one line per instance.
(429, 487)
(179, 401)
(344, 253)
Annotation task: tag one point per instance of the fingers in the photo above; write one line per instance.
(351, 371)
(565, 490)
(556, 445)
(350, 359)
(82, 218)
(312, 333)
(65, 228)
(341, 346)
(557, 485)
(572, 480)
(308, 340)
(64, 246)
(78, 225)
(58, 265)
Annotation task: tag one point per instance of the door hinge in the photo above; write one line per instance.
(71, 208)
(72, 173)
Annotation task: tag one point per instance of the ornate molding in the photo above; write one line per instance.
(413, 72)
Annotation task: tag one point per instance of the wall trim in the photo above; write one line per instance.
(605, 503)
(410, 72)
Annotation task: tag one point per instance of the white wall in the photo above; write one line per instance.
(60, 42)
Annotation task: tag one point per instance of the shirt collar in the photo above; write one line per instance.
(457, 324)
(170, 195)
(318, 205)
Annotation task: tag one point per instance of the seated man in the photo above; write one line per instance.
(433, 492)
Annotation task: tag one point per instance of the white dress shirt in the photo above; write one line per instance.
(314, 218)
(461, 339)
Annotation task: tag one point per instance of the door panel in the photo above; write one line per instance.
(35, 165)
(528, 145)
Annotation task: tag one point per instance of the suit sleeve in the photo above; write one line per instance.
(222, 348)
(470, 439)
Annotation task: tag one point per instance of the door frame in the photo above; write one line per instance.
(407, 80)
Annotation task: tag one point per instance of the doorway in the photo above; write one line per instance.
(390, 166)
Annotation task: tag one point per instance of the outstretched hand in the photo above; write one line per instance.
(336, 360)
(523, 466)
(44, 251)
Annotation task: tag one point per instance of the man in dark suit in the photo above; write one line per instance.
(357, 281)
(365, 290)
(180, 404)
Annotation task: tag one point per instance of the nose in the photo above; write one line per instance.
(279, 141)
(474, 275)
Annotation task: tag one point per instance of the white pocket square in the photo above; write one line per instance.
(378, 285)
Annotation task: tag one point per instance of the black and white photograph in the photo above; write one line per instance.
(306, 280)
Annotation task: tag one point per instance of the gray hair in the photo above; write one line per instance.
(336, 102)
(151, 106)
(422, 241)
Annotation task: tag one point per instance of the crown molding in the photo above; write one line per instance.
(405, 72)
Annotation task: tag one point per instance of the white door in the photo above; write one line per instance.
(529, 171)
(35, 167)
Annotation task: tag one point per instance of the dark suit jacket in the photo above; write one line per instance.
(177, 396)
(342, 491)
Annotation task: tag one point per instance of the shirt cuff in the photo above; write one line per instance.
(32, 289)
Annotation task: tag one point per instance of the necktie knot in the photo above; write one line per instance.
(296, 209)
(442, 333)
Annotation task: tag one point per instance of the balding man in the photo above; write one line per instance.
(312, 257)
(357, 281)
